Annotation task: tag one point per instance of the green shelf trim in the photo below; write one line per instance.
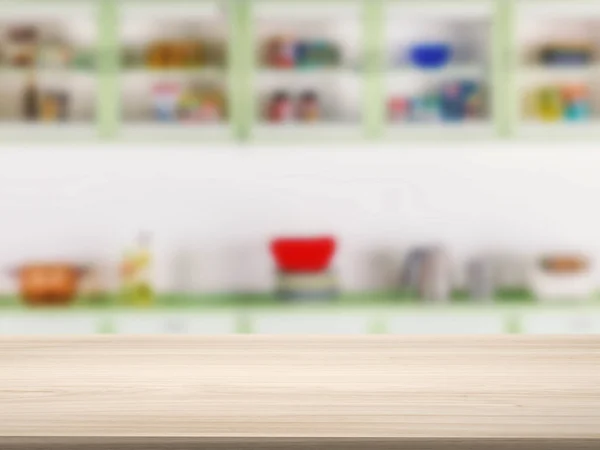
(380, 304)
(237, 68)
(250, 64)
(513, 324)
(512, 112)
(108, 102)
(378, 325)
(374, 61)
(243, 324)
(500, 69)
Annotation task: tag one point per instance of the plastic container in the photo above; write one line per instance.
(430, 55)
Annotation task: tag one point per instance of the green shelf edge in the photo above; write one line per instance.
(256, 303)
(108, 108)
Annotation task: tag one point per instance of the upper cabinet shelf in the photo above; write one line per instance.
(48, 76)
(440, 64)
(556, 50)
(201, 70)
(174, 75)
(308, 68)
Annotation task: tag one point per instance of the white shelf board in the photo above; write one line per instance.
(558, 9)
(473, 71)
(40, 130)
(174, 9)
(321, 324)
(549, 129)
(308, 130)
(199, 72)
(174, 323)
(529, 72)
(308, 73)
(62, 10)
(159, 130)
(447, 324)
(483, 128)
(44, 73)
(300, 10)
(443, 9)
(40, 324)
(563, 323)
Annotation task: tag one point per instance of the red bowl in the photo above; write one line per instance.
(303, 254)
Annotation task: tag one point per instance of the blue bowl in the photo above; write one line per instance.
(430, 55)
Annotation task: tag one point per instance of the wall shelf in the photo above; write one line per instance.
(494, 45)
(353, 314)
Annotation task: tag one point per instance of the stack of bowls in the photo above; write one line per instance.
(303, 267)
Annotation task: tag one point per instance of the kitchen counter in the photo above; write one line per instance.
(300, 392)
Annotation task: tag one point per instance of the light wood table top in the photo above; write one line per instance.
(302, 387)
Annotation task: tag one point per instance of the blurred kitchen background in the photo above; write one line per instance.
(160, 172)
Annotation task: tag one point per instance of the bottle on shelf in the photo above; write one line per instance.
(280, 108)
(309, 109)
(136, 284)
(31, 107)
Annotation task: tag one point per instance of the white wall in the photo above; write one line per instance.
(212, 210)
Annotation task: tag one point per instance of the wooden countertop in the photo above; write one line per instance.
(301, 387)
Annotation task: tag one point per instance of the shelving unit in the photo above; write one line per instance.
(283, 36)
(429, 95)
(365, 314)
(537, 24)
(48, 79)
(175, 69)
(351, 56)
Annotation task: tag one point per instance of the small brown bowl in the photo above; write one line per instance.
(49, 284)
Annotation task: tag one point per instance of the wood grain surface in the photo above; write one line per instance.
(399, 388)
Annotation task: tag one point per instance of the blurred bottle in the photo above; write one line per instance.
(435, 280)
(136, 268)
(427, 274)
(31, 107)
(576, 98)
(280, 108)
(550, 104)
(480, 278)
(309, 109)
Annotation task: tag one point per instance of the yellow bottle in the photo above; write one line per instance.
(136, 268)
(550, 105)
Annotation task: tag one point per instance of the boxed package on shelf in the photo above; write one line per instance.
(284, 52)
(566, 54)
(283, 107)
(563, 102)
(189, 103)
(450, 102)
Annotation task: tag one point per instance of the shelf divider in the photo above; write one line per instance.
(108, 100)
(243, 68)
(501, 73)
(511, 63)
(374, 58)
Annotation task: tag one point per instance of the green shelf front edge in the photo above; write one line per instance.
(382, 302)
(242, 67)
(244, 309)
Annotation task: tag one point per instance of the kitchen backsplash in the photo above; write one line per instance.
(212, 210)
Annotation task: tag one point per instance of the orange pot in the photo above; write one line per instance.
(49, 284)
